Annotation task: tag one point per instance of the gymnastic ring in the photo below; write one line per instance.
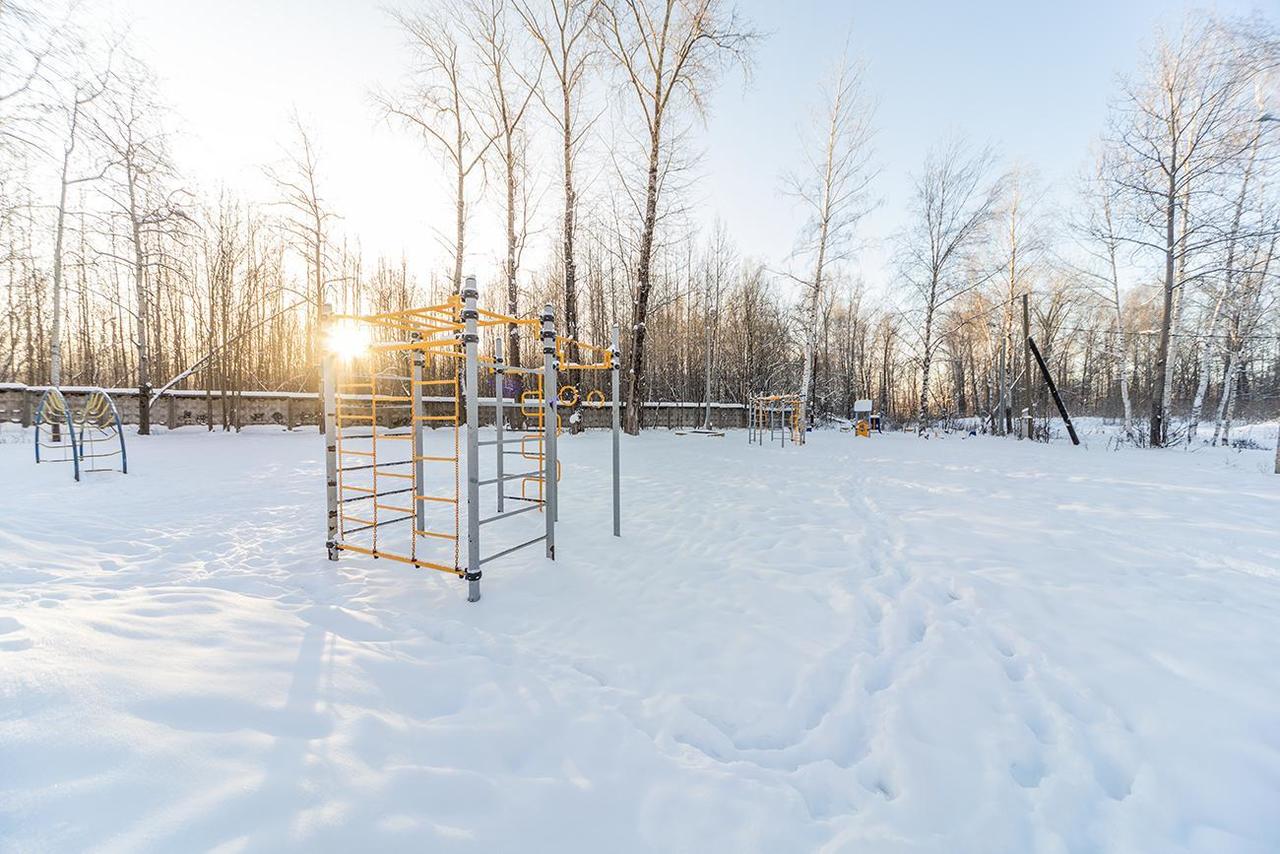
(568, 395)
(595, 398)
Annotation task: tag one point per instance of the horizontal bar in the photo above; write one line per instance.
(371, 494)
(437, 459)
(437, 498)
(421, 564)
(392, 507)
(437, 535)
(488, 519)
(493, 480)
(453, 418)
(371, 524)
(511, 435)
(376, 466)
(506, 552)
(346, 436)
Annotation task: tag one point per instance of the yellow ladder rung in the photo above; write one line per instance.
(385, 438)
(396, 474)
(425, 564)
(355, 453)
(437, 535)
(436, 382)
(436, 459)
(357, 489)
(359, 519)
(393, 507)
(435, 418)
(438, 498)
(391, 397)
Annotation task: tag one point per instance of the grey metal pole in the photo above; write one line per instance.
(1026, 369)
(329, 417)
(471, 342)
(549, 400)
(498, 393)
(417, 425)
(615, 358)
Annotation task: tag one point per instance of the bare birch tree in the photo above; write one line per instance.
(441, 104)
(669, 53)
(307, 222)
(140, 191)
(1175, 131)
(954, 201)
(84, 90)
(510, 83)
(562, 30)
(1098, 232)
(834, 189)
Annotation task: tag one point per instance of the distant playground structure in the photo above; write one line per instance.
(778, 416)
(387, 377)
(865, 420)
(90, 439)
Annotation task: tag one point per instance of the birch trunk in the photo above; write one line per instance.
(635, 373)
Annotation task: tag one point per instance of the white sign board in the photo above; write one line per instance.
(861, 406)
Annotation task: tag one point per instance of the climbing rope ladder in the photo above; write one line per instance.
(387, 378)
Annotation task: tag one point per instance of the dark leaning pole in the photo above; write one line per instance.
(1053, 390)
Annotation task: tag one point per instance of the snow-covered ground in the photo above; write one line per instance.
(885, 645)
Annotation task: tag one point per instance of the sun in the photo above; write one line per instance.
(347, 340)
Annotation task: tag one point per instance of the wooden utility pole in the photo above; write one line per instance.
(1026, 368)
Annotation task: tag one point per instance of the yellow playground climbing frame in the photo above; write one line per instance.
(391, 377)
(780, 417)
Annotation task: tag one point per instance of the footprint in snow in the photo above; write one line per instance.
(1028, 773)
(8, 643)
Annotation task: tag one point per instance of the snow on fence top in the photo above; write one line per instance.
(194, 407)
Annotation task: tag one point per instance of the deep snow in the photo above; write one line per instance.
(885, 645)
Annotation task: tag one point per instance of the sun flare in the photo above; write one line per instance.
(347, 340)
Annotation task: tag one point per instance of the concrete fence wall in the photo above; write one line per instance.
(301, 409)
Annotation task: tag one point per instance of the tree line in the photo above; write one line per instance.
(1151, 291)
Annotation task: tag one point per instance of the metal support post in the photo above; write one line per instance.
(498, 392)
(615, 360)
(550, 394)
(418, 409)
(329, 423)
(1026, 369)
(471, 342)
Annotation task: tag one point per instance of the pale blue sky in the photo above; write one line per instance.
(1031, 78)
